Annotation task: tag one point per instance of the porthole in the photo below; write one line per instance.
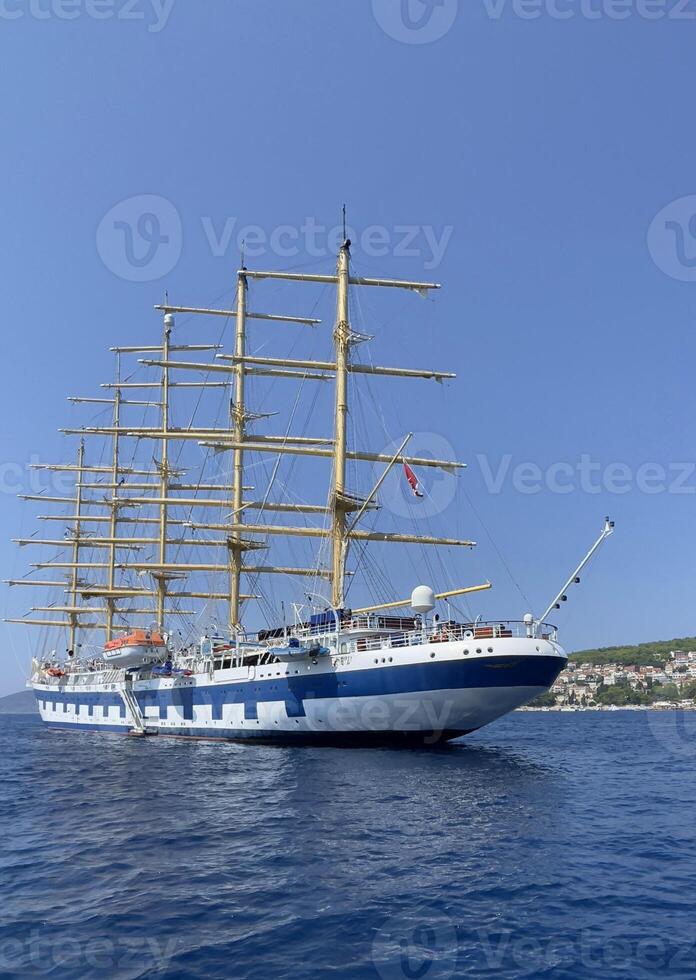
(490, 649)
(465, 652)
(432, 655)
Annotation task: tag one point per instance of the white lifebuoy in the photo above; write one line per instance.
(468, 634)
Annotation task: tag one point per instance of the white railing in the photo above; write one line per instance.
(389, 638)
(77, 675)
(386, 635)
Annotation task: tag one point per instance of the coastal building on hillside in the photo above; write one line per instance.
(580, 683)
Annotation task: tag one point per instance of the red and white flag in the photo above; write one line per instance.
(412, 481)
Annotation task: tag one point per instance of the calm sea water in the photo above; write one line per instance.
(560, 845)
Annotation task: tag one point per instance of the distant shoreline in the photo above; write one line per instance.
(18, 703)
(611, 707)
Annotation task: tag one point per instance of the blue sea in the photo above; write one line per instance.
(546, 845)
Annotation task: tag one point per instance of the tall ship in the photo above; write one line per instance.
(205, 578)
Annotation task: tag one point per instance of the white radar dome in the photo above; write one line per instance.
(528, 619)
(423, 599)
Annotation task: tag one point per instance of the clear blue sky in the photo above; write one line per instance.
(541, 148)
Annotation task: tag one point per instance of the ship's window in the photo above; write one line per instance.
(344, 647)
(478, 649)
(466, 653)
(490, 649)
(432, 654)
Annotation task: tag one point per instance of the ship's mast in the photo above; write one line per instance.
(238, 428)
(342, 349)
(75, 577)
(113, 520)
(161, 575)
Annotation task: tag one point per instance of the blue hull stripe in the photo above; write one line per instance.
(83, 726)
(484, 672)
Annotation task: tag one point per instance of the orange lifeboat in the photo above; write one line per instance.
(137, 647)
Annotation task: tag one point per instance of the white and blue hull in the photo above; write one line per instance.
(425, 693)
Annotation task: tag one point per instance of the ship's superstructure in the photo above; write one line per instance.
(152, 543)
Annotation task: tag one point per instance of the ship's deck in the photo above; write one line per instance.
(357, 634)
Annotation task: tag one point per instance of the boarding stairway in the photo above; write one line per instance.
(133, 708)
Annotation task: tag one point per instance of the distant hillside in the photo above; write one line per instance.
(643, 655)
(21, 703)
